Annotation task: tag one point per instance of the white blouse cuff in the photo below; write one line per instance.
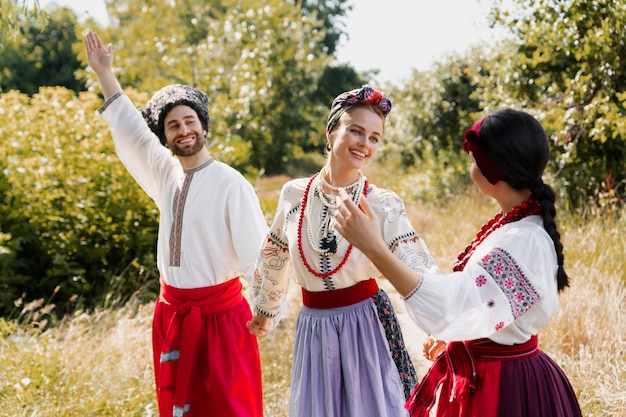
(414, 290)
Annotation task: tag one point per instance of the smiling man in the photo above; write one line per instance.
(210, 233)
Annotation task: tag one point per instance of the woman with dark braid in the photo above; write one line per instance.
(505, 285)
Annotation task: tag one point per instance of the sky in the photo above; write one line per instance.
(411, 34)
(394, 38)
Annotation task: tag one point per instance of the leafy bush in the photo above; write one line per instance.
(72, 217)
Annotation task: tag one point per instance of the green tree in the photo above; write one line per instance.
(42, 55)
(13, 14)
(425, 129)
(330, 16)
(570, 67)
(259, 62)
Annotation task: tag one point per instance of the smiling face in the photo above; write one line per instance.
(184, 134)
(355, 139)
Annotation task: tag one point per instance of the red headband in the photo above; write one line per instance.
(487, 166)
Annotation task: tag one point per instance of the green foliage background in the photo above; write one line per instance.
(564, 62)
(72, 217)
(75, 227)
(41, 54)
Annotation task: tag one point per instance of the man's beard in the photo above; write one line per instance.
(198, 144)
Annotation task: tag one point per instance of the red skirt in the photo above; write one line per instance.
(481, 378)
(206, 361)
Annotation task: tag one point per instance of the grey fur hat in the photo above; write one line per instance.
(169, 97)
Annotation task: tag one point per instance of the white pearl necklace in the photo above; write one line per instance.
(322, 242)
(335, 188)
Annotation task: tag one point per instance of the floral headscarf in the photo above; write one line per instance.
(344, 101)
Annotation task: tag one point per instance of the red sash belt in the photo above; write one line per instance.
(457, 364)
(488, 350)
(189, 305)
(340, 298)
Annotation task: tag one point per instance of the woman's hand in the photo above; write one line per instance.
(260, 325)
(359, 225)
(433, 348)
(363, 230)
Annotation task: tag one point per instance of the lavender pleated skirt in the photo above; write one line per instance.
(342, 366)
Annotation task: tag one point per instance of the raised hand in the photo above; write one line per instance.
(100, 58)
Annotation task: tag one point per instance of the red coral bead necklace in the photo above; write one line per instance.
(303, 210)
(526, 208)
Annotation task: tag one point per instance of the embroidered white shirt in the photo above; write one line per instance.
(280, 258)
(507, 291)
(222, 225)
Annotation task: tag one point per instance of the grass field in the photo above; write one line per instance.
(99, 363)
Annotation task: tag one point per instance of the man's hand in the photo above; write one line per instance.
(101, 61)
(100, 58)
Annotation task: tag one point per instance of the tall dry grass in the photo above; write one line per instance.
(99, 364)
(588, 337)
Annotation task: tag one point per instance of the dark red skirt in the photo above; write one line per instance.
(484, 379)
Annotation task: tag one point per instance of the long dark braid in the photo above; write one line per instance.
(516, 141)
(546, 197)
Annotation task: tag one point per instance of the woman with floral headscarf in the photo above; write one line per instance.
(349, 357)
